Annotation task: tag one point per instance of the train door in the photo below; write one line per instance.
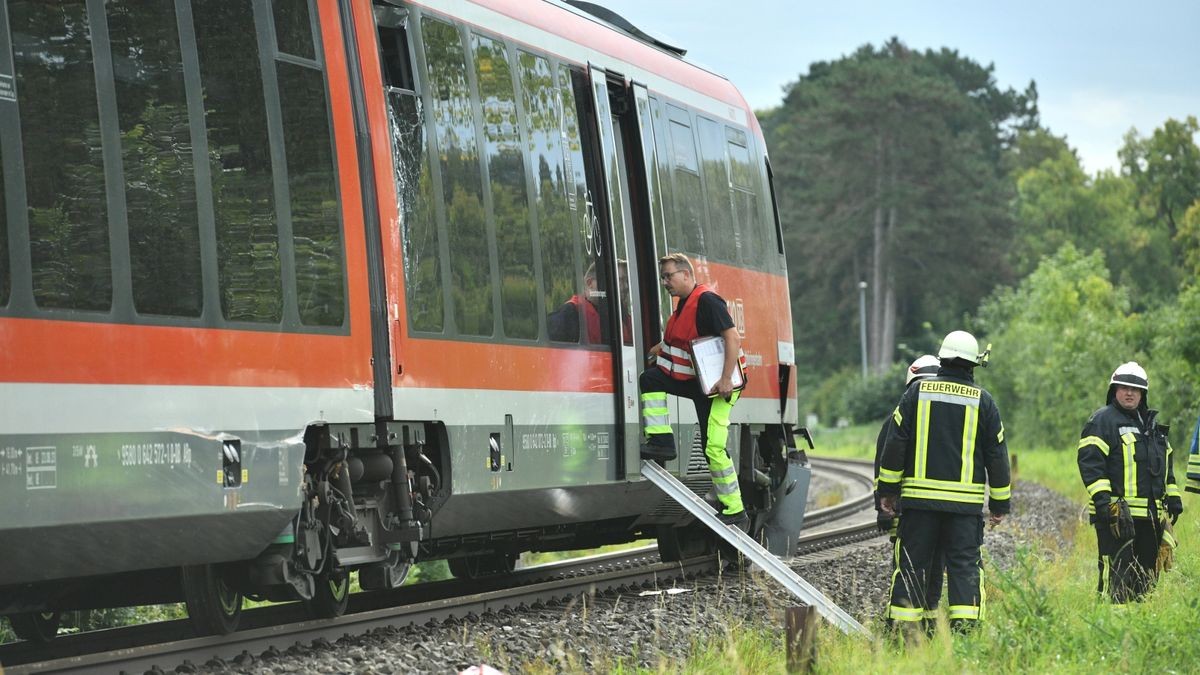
(622, 265)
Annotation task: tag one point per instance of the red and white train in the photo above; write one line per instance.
(283, 289)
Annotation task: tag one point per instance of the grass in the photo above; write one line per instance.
(1043, 615)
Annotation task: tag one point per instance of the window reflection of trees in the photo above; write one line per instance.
(743, 188)
(293, 29)
(583, 229)
(689, 199)
(719, 223)
(64, 169)
(542, 109)
(506, 178)
(243, 196)
(462, 190)
(5, 283)
(316, 230)
(156, 149)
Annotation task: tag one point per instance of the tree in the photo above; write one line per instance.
(888, 166)
(1165, 168)
(1057, 337)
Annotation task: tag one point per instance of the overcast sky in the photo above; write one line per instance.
(1101, 67)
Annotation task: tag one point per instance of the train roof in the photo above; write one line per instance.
(571, 30)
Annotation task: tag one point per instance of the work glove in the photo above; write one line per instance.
(1174, 507)
(883, 522)
(1166, 549)
(1120, 520)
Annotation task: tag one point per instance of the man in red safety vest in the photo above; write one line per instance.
(699, 313)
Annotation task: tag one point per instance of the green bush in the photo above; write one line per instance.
(847, 395)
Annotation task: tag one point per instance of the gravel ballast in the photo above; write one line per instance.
(648, 630)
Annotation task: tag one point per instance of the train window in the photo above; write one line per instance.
(293, 28)
(316, 219)
(418, 223)
(555, 234)
(156, 149)
(743, 193)
(5, 284)
(722, 238)
(689, 198)
(453, 124)
(240, 155)
(579, 112)
(671, 229)
(64, 167)
(393, 47)
(506, 178)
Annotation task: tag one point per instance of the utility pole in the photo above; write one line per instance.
(862, 324)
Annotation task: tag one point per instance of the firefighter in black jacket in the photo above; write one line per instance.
(944, 456)
(1125, 464)
(923, 367)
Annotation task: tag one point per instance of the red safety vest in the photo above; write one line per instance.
(675, 359)
(591, 316)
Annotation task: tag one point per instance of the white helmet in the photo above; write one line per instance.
(925, 366)
(960, 344)
(1131, 375)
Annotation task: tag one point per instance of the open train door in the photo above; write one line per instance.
(617, 205)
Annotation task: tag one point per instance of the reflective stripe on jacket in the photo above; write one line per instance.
(946, 450)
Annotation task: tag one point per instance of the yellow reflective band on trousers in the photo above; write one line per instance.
(898, 612)
(964, 612)
(656, 417)
(720, 466)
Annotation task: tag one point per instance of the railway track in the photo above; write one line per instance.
(164, 646)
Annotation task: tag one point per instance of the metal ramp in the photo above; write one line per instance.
(750, 548)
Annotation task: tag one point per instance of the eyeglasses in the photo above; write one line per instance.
(667, 275)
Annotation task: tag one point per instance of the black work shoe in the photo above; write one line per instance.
(661, 453)
(739, 520)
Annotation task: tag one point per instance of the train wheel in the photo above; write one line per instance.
(35, 626)
(479, 566)
(331, 595)
(214, 607)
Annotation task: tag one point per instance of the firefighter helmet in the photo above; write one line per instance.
(1131, 375)
(960, 344)
(925, 366)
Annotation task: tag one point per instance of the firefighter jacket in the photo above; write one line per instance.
(1126, 454)
(946, 449)
(1193, 467)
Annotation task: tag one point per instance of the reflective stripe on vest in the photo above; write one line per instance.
(675, 359)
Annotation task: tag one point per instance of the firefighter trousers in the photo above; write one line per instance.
(713, 415)
(921, 535)
(1127, 569)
